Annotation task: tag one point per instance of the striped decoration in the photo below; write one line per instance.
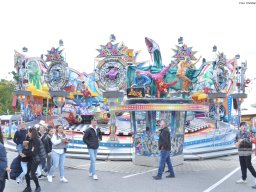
(161, 107)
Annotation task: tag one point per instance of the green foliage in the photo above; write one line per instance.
(15, 76)
(6, 95)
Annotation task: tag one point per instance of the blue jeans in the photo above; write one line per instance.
(93, 156)
(49, 162)
(57, 161)
(19, 148)
(43, 163)
(165, 158)
(24, 166)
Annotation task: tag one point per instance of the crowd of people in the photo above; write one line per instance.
(41, 150)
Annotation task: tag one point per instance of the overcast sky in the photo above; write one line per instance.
(84, 25)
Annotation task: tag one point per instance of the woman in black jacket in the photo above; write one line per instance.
(34, 161)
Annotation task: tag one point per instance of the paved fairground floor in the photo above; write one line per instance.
(215, 175)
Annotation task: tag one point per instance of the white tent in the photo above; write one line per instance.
(9, 118)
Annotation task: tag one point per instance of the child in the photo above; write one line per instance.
(24, 161)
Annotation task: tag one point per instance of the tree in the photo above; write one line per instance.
(6, 95)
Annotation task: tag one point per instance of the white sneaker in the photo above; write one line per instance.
(18, 180)
(95, 177)
(44, 173)
(241, 181)
(49, 178)
(90, 174)
(64, 180)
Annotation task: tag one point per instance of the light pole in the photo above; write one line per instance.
(21, 93)
(22, 97)
(240, 83)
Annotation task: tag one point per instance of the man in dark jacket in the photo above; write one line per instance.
(164, 146)
(91, 137)
(19, 137)
(3, 167)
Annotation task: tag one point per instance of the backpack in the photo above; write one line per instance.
(16, 169)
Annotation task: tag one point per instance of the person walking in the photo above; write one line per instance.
(164, 145)
(243, 142)
(3, 167)
(46, 139)
(42, 134)
(91, 138)
(59, 142)
(19, 137)
(34, 149)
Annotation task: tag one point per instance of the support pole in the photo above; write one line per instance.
(112, 97)
(47, 109)
(239, 112)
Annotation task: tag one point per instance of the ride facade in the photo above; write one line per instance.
(159, 92)
(30, 88)
(40, 75)
(139, 94)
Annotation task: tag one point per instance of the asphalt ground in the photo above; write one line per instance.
(122, 176)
